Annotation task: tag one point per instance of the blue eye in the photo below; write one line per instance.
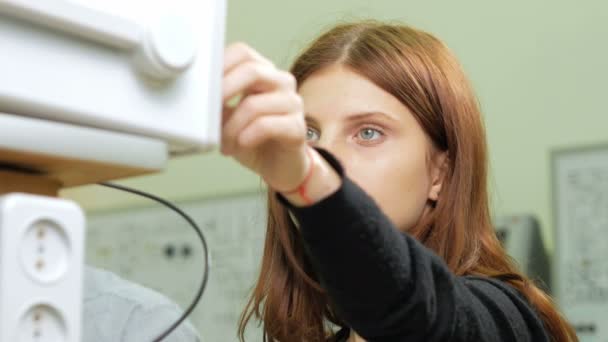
(312, 134)
(369, 134)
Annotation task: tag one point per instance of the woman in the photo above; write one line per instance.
(374, 152)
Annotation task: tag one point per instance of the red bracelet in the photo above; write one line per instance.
(301, 189)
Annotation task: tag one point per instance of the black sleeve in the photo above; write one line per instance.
(389, 287)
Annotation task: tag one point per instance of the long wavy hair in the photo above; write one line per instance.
(420, 71)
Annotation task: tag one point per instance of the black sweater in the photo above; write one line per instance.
(387, 286)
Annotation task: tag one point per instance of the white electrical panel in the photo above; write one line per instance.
(580, 194)
(156, 248)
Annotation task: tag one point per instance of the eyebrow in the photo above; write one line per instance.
(357, 116)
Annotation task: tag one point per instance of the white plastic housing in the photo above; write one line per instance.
(149, 68)
(41, 263)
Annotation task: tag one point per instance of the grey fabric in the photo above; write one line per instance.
(117, 310)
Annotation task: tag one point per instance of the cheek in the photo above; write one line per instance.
(399, 186)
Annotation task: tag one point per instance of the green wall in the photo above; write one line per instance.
(539, 68)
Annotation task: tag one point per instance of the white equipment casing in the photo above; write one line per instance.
(139, 67)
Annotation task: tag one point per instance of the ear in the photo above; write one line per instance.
(439, 168)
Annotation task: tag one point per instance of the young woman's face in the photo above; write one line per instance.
(379, 142)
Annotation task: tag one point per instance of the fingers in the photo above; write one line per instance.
(288, 129)
(239, 53)
(269, 106)
(254, 77)
(252, 108)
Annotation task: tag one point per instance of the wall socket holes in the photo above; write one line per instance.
(44, 251)
(42, 323)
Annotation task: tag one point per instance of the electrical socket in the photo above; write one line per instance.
(44, 251)
(42, 323)
(41, 266)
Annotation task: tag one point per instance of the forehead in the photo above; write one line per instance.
(337, 91)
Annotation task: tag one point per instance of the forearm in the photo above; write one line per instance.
(354, 247)
(363, 261)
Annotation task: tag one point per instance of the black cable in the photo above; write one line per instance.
(198, 231)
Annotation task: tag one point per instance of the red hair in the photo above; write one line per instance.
(420, 71)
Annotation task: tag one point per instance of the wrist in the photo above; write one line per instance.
(320, 181)
(302, 188)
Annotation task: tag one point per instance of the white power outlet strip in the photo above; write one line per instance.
(41, 264)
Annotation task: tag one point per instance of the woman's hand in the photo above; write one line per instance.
(265, 131)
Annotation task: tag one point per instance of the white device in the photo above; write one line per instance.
(147, 68)
(580, 202)
(91, 91)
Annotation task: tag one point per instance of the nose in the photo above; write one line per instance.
(327, 144)
(320, 144)
(324, 142)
